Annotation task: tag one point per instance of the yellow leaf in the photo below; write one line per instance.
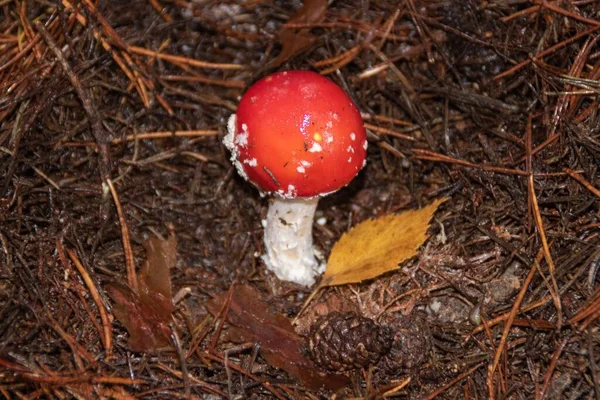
(377, 246)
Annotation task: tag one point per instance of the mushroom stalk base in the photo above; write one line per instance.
(288, 240)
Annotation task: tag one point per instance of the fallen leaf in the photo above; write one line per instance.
(155, 275)
(253, 320)
(377, 246)
(146, 314)
(294, 40)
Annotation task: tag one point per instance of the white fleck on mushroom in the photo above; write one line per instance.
(316, 148)
(251, 162)
(291, 191)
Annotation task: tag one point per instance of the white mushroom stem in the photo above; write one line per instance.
(290, 253)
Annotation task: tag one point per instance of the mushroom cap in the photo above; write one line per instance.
(297, 134)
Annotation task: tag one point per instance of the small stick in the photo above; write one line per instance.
(590, 319)
(420, 28)
(77, 349)
(182, 362)
(139, 80)
(204, 385)
(589, 309)
(422, 154)
(109, 393)
(46, 177)
(151, 135)
(21, 53)
(221, 318)
(395, 121)
(117, 381)
(569, 14)
(131, 275)
(166, 135)
(387, 28)
(345, 24)
(82, 378)
(540, 147)
(592, 362)
(231, 83)
(86, 101)
(389, 132)
(433, 156)
(198, 334)
(120, 58)
(521, 13)
(110, 32)
(513, 313)
(386, 146)
(504, 317)
(582, 181)
(544, 53)
(344, 59)
(310, 298)
(163, 102)
(336, 59)
(398, 385)
(454, 381)
(184, 60)
(196, 156)
(552, 366)
(96, 297)
(161, 10)
(79, 290)
(540, 225)
(216, 356)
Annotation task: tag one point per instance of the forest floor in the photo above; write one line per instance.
(111, 120)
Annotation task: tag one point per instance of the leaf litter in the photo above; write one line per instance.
(296, 40)
(254, 320)
(491, 103)
(146, 314)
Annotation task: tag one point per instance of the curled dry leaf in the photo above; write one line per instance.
(253, 320)
(377, 246)
(146, 314)
(294, 40)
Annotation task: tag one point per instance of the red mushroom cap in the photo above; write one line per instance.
(298, 134)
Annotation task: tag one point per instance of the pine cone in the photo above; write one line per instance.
(412, 344)
(345, 341)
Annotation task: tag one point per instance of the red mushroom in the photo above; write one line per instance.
(297, 136)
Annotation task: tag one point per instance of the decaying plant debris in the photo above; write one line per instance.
(111, 115)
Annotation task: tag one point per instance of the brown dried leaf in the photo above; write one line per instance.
(253, 320)
(146, 330)
(294, 40)
(146, 315)
(155, 275)
(377, 246)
